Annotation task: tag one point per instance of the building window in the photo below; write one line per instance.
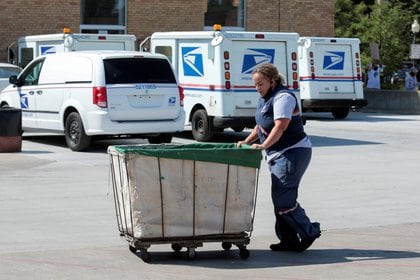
(229, 13)
(103, 16)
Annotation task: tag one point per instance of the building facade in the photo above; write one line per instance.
(143, 17)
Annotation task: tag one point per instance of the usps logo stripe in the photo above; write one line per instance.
(47, 50)
(255, 57)
(24, 104)
(333, 61)
(192, 61)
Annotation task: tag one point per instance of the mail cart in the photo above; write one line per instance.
(185, 195)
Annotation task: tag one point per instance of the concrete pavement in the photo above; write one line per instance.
(58, 221)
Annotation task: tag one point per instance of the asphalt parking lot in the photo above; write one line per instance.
(58, 219)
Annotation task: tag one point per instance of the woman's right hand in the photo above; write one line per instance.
(240, 143)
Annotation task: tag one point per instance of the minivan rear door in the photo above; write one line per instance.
(141, 89)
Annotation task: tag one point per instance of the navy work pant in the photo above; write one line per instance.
(286, 173)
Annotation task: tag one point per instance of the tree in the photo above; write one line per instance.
(388, 28)
(388, 24)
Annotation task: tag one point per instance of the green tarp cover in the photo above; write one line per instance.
(208, 152)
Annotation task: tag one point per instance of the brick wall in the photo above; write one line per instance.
(148, 16)
(308, 18)
(19, 17)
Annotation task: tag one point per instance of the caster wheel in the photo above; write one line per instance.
(132, 249)
(145, 256)
(243, 253)
(226, 246)
(191, 254)
(176, 247)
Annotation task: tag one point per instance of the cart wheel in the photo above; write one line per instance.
(243, 252)
(145, 256)
(191, 254)
(132, 249)
(176, 247)
(226, 245)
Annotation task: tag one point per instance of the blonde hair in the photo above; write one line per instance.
(270, 71)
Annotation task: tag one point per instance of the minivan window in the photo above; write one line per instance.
(31, 75)
(138, 70)
(6, 72)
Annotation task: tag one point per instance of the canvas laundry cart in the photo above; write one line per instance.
(185, 195)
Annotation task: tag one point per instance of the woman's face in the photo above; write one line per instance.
(262, 84)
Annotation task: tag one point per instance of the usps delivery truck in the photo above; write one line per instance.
(33, 46)
(330, 75)
(215, 70)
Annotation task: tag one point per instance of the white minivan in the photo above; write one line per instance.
(91, 93)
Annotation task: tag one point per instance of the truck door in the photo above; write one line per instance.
(167, 48)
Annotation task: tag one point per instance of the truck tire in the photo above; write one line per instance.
(340, 113)
(76, 138)
(202, 126)
(238, 128)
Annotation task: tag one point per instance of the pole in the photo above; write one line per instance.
(414, 42)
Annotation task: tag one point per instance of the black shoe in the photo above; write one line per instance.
(305, 244)
(283, 246)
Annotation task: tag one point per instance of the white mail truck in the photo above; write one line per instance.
(215, 70)
(330, 75)
(29, 47)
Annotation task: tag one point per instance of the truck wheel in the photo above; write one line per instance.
(161, 138)
(76, 138)
(238, 128)
(202, 126)
(340, 113)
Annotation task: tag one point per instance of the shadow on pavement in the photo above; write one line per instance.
(266, 258)
(354, 117)
(100, 146)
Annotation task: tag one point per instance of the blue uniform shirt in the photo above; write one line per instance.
(280, 103)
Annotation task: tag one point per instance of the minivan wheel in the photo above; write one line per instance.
(161, 138)
(76, 138)
(202, 126)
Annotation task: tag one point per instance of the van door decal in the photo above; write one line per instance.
(24, 101)
(255, 57)
(192, 61)
(333, 61)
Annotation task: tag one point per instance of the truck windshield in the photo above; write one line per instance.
(138, 70)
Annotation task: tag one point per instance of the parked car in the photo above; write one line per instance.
(7, 70)
(98, 93)
(398, 77)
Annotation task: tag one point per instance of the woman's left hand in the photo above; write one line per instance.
(257, 146)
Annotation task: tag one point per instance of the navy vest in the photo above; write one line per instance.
(264, 118)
